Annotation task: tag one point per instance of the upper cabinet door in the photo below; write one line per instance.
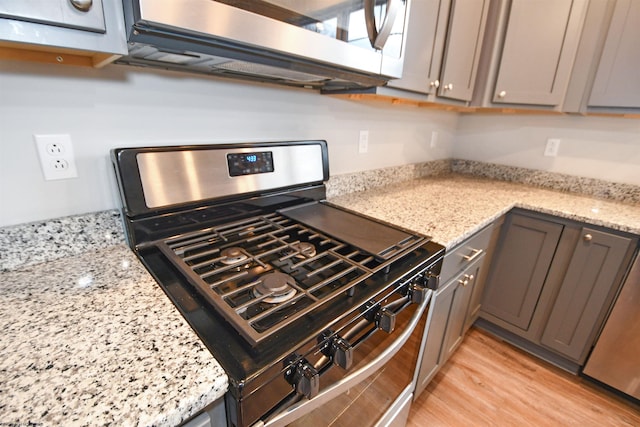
(444, 40)
(89, 33)
(617, 81)
(539, 48)
(426, 30)
(462, 53)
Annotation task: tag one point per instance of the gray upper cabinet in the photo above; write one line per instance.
(605, 77)
(462, 49)
(62, 31)
(444, 39)
(558, 55)
(617, 81)
(529, 52)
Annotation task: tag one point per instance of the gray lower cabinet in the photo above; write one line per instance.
(458, 298)
(585, 293)
(214, 415)
(526, 250)
(551, 284)
(456, 303)
(445, 323)
(429, 361)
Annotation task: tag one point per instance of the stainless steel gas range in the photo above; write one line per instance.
(314, 312)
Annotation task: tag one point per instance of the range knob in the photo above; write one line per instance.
(427, 280)
(417, 292)
(431, 280)
(338, 349)
(386, 320)
(383, 318)
(304, 377)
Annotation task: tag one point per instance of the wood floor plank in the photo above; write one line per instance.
(490, 383)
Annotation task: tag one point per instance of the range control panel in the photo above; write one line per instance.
(250, 163)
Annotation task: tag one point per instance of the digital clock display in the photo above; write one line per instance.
(250, 163)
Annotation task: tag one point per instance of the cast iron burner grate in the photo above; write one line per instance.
(229, 264)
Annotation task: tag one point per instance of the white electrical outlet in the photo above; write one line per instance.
(553, 145)
(363, 142)
(56, 156)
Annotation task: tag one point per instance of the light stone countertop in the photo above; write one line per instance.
(451, 208)
(91, 339)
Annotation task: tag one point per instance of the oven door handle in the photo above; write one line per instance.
(294, 412)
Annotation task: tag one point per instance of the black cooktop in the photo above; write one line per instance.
(264, 272)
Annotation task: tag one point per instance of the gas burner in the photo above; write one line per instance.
(306, 249)
(232, 255)
(276, 286)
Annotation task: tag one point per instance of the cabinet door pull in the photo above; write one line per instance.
(587, 237)
(82, 5)
(476, 254)
(465, 281)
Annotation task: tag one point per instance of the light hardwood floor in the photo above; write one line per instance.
(490, 383)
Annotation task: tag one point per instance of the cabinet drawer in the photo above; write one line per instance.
(464, 254)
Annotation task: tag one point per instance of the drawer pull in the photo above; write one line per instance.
(476, 254)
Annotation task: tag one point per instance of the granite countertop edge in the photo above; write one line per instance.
(91, 339)
(455, 211)
(483, 222)
(109, 275)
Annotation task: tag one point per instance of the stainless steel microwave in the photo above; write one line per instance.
(328, 44)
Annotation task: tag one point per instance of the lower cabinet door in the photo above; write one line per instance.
(446, 323)
(519, 270)
(460, 299)
(586, 291)
(433, 336)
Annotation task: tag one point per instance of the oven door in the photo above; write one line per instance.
(376, 391)
(363, 35)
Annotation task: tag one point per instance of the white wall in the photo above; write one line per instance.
(596, 147)
(123, 106)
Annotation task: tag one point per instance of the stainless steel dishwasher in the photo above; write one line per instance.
(614, 360)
